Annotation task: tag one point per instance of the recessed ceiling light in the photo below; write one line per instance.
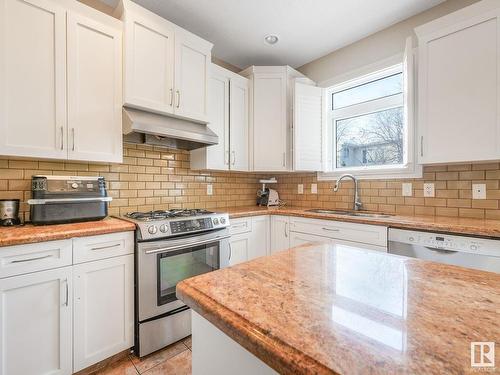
(271, 39)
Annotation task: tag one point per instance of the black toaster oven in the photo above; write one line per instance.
(67, 199)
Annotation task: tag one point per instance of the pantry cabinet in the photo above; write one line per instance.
(66, 304)
(36, 323)
(228, 118)
(166, 67)
(53, 108)
(459, 100)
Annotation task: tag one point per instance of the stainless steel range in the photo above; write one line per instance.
(172, 246)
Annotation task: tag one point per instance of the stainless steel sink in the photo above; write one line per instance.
(348, 213)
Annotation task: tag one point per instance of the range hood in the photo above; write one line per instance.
(151, 128)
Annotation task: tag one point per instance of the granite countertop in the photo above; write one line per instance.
(443, 224)
(336, 309)
(24, 234)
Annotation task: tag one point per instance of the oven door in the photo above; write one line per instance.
(162, 264)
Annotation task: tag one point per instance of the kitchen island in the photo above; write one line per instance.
(336, 309)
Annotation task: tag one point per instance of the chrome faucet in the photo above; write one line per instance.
(357, 203)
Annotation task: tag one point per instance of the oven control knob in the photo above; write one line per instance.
(222, 220)
(216, 221)
(152, 229)
(163, 228)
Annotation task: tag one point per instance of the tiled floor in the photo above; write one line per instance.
(173, 360)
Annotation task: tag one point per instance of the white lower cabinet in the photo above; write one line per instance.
(280, 233)
(298, 239)
(249, 239)
(36, 323)
(103, 309)
(239, 245)
(61, 315)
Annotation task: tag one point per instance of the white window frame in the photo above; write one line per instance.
(409, 168)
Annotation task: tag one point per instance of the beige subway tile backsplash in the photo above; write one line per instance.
(149, 178)
(152, 178)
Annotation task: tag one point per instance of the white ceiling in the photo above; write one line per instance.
(308, 29)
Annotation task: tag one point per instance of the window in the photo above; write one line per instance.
(369, 134)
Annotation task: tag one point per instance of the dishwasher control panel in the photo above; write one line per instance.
(446, 242)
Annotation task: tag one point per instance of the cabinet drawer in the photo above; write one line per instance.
(363, 233)
(20, 259)
(241, 225)
(86, 249)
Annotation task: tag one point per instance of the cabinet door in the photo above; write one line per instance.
(239, 123)
(308, 128)
(94, 90)
(259, 237)
(149, 63)
(35, 323)
(269, 122)
(217, 156)
(102, 287)
(280, 233)
(458, 90)
(32, 79)
(298, 239)
(192, 61)
(239, 246)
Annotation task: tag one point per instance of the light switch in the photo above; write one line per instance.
(478, 191)
(210, 190)
(407, 189)
(314, 188)
(300, 189)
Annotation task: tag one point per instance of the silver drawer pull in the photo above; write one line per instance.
(239, 225)
(106, 247)
(331, 230)
(31, 259)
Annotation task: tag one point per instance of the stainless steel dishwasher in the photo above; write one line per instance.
(471, 252)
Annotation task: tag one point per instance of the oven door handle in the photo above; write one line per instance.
(185, 245)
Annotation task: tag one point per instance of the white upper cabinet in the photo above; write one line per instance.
(67, 104)
(271, 116)
(228, 118)
(458, 116)
(308, 129)
(192, 61)
(32, 79)
(239, 123)
(166, 67)
(148, 61)
(94, 90)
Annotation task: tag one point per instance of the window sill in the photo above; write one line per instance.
(413, 171)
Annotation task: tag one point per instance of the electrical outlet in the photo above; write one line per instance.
(300, 189)
(478, 191)
(314, 188)
(407, 189)
(429, 190)
(210, 189)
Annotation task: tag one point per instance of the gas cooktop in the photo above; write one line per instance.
(166, 214)
(161, 224)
